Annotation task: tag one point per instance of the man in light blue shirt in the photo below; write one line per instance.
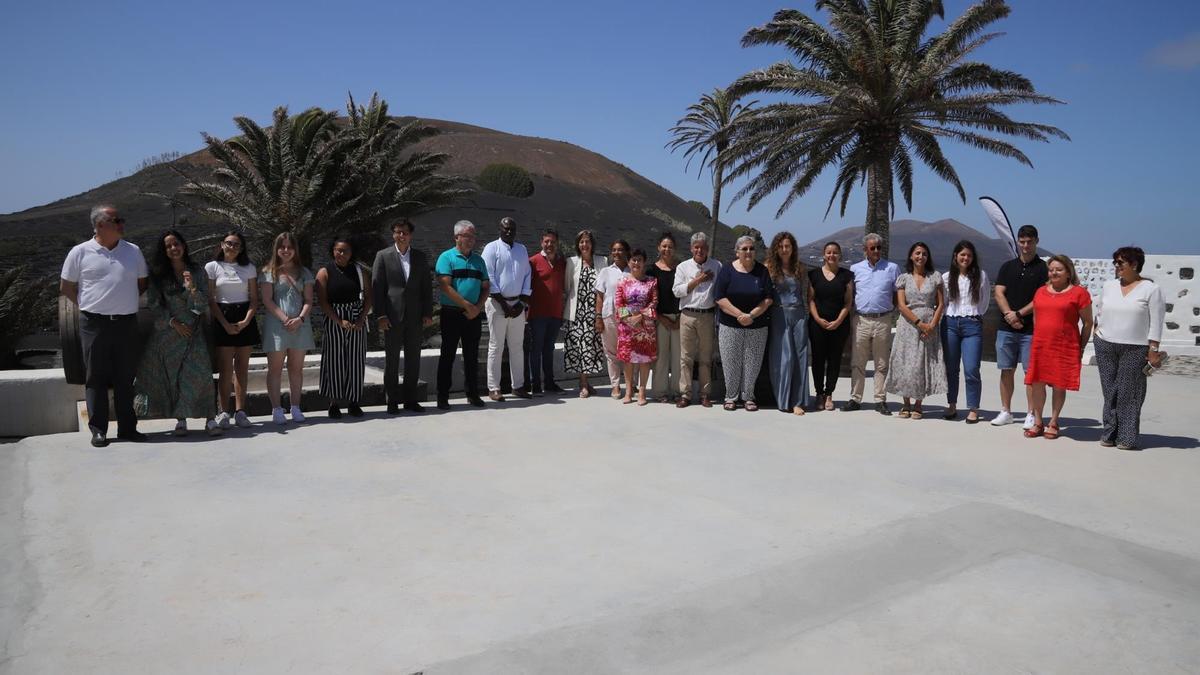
(510, 279)
(874, 304)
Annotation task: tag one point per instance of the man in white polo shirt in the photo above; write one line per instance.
(104, 276)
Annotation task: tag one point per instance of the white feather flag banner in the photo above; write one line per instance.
(1000, 222)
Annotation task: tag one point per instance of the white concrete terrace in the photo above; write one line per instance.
(584, 536)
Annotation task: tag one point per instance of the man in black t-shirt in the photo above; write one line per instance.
(1016, 283)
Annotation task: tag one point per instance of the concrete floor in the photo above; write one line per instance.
(583, 536)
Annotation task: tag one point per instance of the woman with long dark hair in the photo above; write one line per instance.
(916, 369)
(666, 366)
(232, 302)
(343, 291)
(967, 292)
(174, 377)
(829, 304)
(787, 335)
(583, 351)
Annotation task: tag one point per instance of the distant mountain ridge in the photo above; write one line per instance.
(941, 236)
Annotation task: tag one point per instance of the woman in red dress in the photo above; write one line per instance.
(637, 336)
(1058, 341)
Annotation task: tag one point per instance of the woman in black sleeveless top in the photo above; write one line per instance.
(340, 286)
(829, 306)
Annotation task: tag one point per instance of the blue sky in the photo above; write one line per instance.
(93, 88)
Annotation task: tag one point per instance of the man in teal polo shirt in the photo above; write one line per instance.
(463, 278)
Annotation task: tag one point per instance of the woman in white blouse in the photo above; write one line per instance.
(1129, 324)
(967, 291)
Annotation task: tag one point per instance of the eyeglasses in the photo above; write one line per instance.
(1120, 263)
(874, 248)
(746, 249)
(116, 221)
(232, 243)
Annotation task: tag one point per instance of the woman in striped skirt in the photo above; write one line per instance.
(340, 291)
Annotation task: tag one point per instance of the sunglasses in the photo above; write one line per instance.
(1120, 263)
(874, 248)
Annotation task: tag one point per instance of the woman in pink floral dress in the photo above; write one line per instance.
(637, 336)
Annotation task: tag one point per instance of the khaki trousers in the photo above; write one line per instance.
(695, 344)
(609, 340)
(667, 362)
(872, 342)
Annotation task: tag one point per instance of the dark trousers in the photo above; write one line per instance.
(541, 350)
(110, 356)
(1124, 386)
(826, 355)
(456, 330)
(406, 337)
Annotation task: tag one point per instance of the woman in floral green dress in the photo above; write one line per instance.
(174, 377)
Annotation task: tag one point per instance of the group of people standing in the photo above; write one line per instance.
(623, 314)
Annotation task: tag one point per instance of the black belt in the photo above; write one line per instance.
(110, 317)
(965, 316)
(693, 310)
(875, 315)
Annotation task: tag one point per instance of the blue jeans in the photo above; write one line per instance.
(541, 351)
(962, 337)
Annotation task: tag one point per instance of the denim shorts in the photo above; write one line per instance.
(1009, 346)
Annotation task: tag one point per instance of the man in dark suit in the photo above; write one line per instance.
(403, 300)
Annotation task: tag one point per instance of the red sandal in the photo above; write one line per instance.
(1051, 432)
(1034, 431)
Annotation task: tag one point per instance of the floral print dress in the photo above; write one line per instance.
(637, 343)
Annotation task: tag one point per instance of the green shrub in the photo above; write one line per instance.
(506, 179)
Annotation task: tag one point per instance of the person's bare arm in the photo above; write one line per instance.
(69, 290)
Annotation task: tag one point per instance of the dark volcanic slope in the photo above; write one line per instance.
(574, 189)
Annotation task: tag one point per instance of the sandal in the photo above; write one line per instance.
(585, 392)
(904, 412)
(915, 414)
(730, 405)
(973, 420)
(829, 402)
(1050, 432)
(1034, 431)
(751, 406)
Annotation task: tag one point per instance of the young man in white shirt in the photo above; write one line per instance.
(511, 283)
(104, 276)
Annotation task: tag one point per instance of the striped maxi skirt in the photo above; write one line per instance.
(343, 355)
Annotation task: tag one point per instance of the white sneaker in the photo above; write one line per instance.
(222, 420)
(1003, 418)
(213, 428)
(1029, 421)
(180, 428)
(241, 420)
(297, 416)
(277, 416)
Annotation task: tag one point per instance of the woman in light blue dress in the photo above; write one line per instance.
(787, 341)
(287, 294)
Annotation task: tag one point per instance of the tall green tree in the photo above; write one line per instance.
(315, 173)
(875, 92)
(703, 134)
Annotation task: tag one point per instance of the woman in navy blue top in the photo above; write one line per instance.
(743, 292)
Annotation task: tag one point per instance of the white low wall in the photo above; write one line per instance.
(39, 402)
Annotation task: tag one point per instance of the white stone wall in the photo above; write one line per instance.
(1176, 274)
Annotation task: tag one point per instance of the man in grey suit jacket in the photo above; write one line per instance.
(402, 290)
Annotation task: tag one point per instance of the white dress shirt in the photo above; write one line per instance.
(606, 283)
(405, 260)
(700, 297)
(508, 268)
(963, 306)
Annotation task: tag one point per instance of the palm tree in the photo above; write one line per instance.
(312, 174)
(874, 93)
(706, 132)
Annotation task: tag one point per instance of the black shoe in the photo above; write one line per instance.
(98, 439)
(135, 436)
(354, 410)
(851, 406)
(522, 392)
(393, 409)
(335, 412)
(443, 404)
(537, 391)
(553, 388)
(476, 401)
(882, 408)
(414, 407)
